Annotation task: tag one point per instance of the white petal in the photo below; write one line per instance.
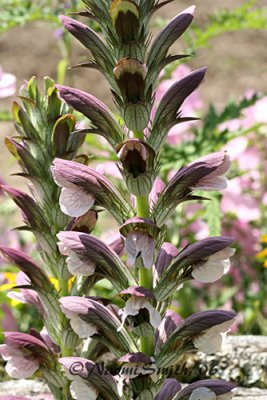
(154, 316)
(209, 343)
(18, 296)
(75, 202)
(210, 184)
(82, 391)
(210, 271)
(133, 306)
(148, 252)
(140, 242)
(77, 267)
(212, 340)
(59, 180)
(202, 394)
(19, 367)
(131, 246)
(82, 328)
(64, 250)
(7, 351)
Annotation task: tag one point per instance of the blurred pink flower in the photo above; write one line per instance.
(8, 322)
(7, 84)
(244, 206)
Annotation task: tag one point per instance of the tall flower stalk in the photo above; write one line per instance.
(137, 330)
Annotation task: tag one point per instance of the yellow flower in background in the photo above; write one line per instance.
(263, 239)
(262, 254)
(55, 282)
(11, 281)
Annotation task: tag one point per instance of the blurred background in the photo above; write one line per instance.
(230, 37)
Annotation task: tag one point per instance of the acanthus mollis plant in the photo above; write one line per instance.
(122, 347)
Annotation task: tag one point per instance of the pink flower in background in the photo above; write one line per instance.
(7, 84)
(244, 206)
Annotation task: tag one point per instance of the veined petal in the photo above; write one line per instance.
(75, 202)
(19, 367)
(73, 307)
(196, 260)
(77, 267)
(211, 324)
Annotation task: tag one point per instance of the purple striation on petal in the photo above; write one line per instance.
(201, 321)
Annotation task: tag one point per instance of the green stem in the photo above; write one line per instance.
(63, 287)
(64, 291)
(145, 275)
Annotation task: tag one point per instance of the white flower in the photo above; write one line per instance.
(75, 264)
(134, 305)
(142, 243)
(82, 328)
(215, 267)
(73, 200)
(212, 340)
(20, 362)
